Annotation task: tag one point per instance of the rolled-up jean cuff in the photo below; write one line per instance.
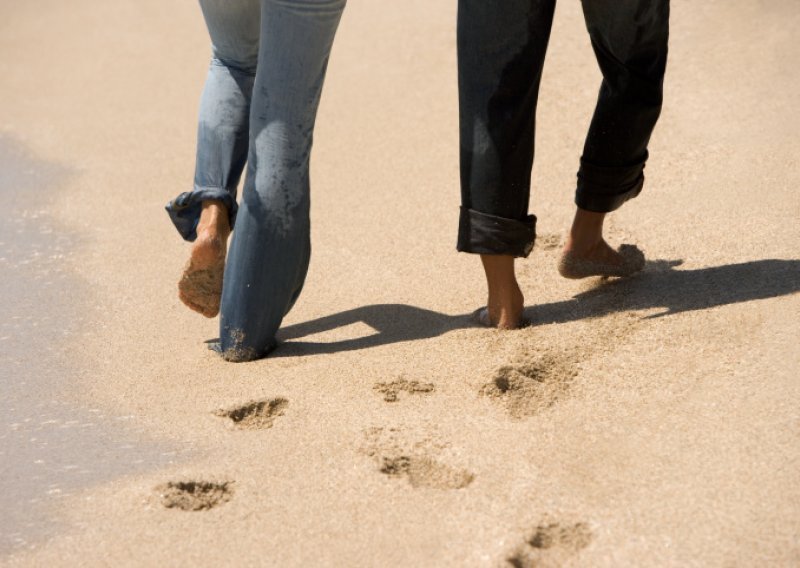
(184, 210)
(481, 233)
(603, 189)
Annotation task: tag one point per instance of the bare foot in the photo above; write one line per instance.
(602, 261)
(200, 286)
(586, 253)
(505, 302)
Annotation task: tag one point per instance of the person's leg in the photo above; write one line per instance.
(504, 301)
(205, 215)
(630, 42)
(200, 285)
(501, 49)
(271, 247)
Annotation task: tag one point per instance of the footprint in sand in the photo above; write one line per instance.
(194, 495)
(392, 390)
(412, 462)
(549, 241)
(551, 544)
(423, 471)
(532, 384)
(255, 415)
(536, 381)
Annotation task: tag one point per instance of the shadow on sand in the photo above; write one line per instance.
(660, 285)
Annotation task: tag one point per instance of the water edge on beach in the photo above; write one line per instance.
(51, 446)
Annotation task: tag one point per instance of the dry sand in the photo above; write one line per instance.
(652, 422)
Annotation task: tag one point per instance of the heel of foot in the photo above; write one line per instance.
(629, 261)
(201, 290)
(482, 318)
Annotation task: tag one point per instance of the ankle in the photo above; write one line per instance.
(213, 221)
(505, 300)
(586, 233)
(505, 308)
(500, 277)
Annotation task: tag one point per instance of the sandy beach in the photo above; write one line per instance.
(653, 421)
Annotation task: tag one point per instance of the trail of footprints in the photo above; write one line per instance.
(198, 495)
(528, 386)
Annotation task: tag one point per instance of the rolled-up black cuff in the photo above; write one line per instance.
(603, 189)
(184, 210)
(481, 233)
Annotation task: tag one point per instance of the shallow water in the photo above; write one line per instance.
(50, 447)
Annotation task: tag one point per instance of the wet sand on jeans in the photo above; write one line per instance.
(642, 422)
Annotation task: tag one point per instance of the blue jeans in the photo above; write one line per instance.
(258, 109)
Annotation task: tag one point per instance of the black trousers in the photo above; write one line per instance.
(501, 50)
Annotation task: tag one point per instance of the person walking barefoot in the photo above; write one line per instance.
(501, 50)
(258, 109)
(200, 286)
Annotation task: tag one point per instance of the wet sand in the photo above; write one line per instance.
(643, 422)
(51, 447)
